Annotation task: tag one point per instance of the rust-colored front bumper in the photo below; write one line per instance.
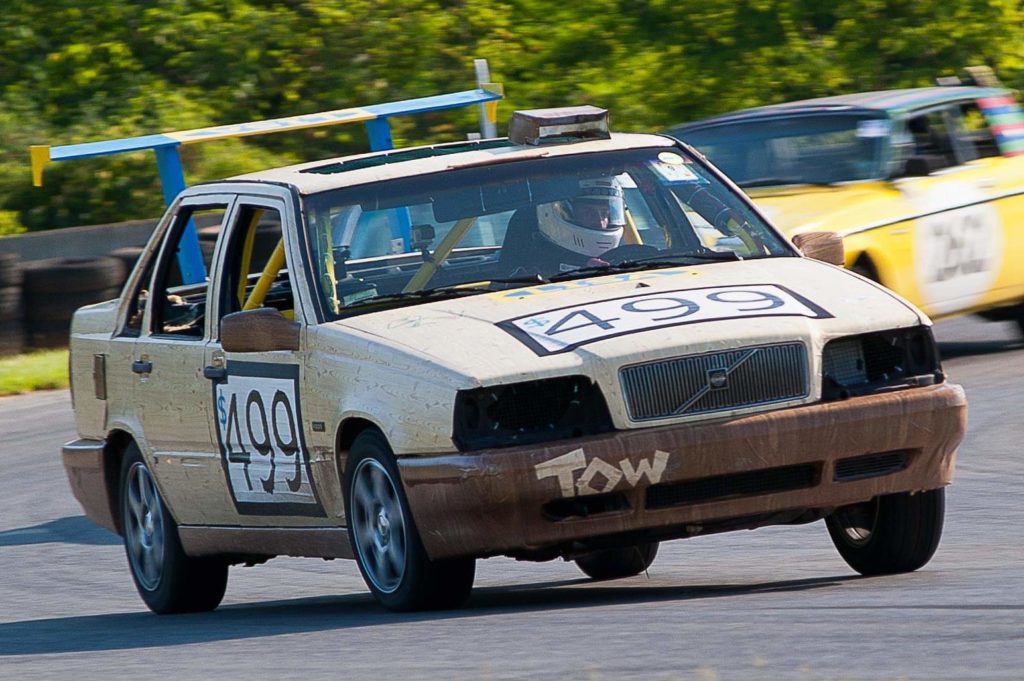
(493, 501)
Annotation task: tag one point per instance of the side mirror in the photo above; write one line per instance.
(823, 246)
(260, 330)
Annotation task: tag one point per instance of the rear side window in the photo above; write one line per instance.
(975, 134)
(932, 139)
(953, 135)
(176, 308)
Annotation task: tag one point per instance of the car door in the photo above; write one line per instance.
(256, 404)
(170, 393)
(958, 231)
(992, 130)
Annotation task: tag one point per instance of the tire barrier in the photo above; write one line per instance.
(207, 241)
(268, 233)
(12, 311)
(53, 289)
(10, 271)
(128, 256)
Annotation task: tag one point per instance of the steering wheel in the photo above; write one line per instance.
(625, 252)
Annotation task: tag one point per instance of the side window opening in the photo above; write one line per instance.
(179, 309)
(256, 272)
(975, 134)
(137, 301)
(931, 139)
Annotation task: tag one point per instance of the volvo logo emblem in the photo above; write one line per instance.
(715, 379)
(718, 379)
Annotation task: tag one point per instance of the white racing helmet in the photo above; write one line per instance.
(589, 223)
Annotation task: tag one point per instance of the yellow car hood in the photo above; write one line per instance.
(805, 208)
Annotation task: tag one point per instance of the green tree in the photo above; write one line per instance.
(72, 73)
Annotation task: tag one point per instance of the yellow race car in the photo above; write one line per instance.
(925, 185)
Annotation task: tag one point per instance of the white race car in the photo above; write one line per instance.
(568, 343)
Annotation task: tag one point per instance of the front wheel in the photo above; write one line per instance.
(167, 580)
(890, 534)
(385, 541)
(617, 563)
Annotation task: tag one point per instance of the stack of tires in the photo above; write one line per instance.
(53, 289)
(268, 233)
(208, 240)
(128, 255)
(12, 325)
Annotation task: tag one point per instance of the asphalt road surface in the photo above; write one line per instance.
(776, 603)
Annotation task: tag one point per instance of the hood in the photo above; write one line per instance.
(594, 326)
(804, 208)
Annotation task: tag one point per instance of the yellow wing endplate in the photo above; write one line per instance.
(40, 155)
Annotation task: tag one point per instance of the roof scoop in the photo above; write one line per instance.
(558, 126)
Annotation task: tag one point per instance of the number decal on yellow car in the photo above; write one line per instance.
(958, 250)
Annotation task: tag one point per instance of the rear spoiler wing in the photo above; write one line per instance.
(172, 177)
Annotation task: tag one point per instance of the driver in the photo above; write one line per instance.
(575, 232)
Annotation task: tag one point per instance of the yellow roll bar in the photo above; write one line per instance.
(428, 268)
(266, 280)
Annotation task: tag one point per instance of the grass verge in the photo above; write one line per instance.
(42, 370)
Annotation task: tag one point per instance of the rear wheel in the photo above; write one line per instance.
(391, 557)
(1006, 313)
(889, 534)
(616, 563)
(1018, 317)
(167, 580)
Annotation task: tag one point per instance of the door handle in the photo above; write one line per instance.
(142, 366)
(215, 373)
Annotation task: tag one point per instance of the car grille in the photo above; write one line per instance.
(716, 381)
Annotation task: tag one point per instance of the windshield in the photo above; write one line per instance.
(808, 149)
(495, 226)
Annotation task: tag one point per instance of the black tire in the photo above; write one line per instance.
(1019, 318)
(61, 275)
(10, 271)
(617, 563)
(208, 241)
(53, 307)
(128, 255)
(890, 534)
(11, 307)
(865, 268)
(43, 335)
(12, 338)
(167, 580)
(384, 538)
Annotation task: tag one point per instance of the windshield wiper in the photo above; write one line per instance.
(654, 262)
(443, 292)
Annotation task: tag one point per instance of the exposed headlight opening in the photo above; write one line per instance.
(529, 413)
(872, 362)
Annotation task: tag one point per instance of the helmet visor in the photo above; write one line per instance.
(606, 212)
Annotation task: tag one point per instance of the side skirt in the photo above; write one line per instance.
(320, 542)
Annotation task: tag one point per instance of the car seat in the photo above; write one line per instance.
(518, 247)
